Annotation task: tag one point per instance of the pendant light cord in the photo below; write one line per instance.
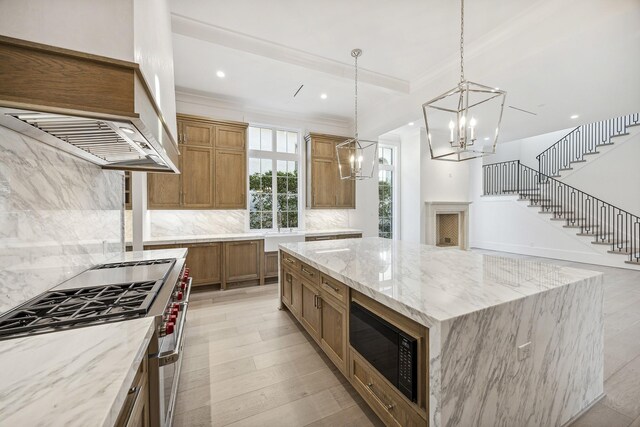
(461, 40)
(356, 115)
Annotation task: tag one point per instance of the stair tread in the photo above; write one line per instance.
(544, 206)
(633, 262)
(581, 226)
(590, 154)
(625, 252)
(566, 219)
(595, 234)
(608, 243)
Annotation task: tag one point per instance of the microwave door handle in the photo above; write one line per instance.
(172, 356)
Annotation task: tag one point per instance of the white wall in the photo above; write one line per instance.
(410, 187)
(525, 149)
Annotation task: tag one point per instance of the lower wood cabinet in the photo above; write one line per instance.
(243, 260)
(333, 237)
(333, 330)
(309, 310)
(286, 287)
(205, 263)
(270, 264)
(135, 410)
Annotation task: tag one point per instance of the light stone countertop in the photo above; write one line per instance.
(77, 377)
(226, 237)
(431, 284)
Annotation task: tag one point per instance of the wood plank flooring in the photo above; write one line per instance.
(248, 364)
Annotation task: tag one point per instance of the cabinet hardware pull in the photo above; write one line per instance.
(335, 288)
(389, 406)
(289, 260)
(307, 272)
(319, 302)
(315, 303)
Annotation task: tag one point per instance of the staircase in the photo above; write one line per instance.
(592, 218)
(582, 142)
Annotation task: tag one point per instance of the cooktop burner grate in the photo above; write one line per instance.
(55, 310)
(133, 263)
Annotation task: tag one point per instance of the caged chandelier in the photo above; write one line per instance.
(464, 122)
(356, 157)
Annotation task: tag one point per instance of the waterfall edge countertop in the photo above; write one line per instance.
(510, 342)
(431, 284)
(76, 377)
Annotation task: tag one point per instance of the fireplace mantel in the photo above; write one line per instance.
(443, 207)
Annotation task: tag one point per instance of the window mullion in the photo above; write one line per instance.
(274, 193)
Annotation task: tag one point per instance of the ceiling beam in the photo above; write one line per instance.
(193, 28)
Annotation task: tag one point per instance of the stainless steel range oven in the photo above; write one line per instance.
(165, 353)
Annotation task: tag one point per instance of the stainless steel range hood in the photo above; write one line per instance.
(95, 108)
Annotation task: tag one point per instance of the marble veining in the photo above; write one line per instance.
(479, 309)
(322, 219)
(78, 377)
(428, 283)
(195, 222)
(59, 215)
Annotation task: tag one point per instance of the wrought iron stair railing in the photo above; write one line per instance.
(608, 224)
(583, 141)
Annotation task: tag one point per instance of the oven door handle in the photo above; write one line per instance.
(172, 356)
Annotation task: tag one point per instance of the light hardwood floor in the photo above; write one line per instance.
(248, 364)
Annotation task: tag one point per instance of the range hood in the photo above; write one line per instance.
(96, 108)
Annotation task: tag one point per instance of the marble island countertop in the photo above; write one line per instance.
(225, 237)
(78, 377)
(431, 284)
(481, 310)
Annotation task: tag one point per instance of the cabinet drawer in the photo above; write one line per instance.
(334, 288)
(383, 398)
(290, 262)
(309, 273)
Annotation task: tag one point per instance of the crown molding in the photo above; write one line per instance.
(196, 29)
(243, 108)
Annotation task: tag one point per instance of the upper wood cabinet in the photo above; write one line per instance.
(230, 179)
(213, 168)
(197, 185)
(325, 189)
(195, 133)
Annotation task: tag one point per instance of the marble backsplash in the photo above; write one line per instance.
(323, 219)
(59, 215)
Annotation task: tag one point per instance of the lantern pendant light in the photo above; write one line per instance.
(463, 123)
(356, 157)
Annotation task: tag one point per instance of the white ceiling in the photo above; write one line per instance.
(553, 58)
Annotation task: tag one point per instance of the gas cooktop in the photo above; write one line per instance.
(55, 310)
(133, 263)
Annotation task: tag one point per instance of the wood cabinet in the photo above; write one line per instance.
(243, 260)
(270, 264)
(230, 179)
(205, 263)
(135, 410)
(309, 310)
(286, 287)
(325, 189)
(197, 182)
(333, 330)
(212, 164)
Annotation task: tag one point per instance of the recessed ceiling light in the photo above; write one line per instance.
(411, 123)
(220, 74)
(323, 95)
(487, 138)
(575, 116)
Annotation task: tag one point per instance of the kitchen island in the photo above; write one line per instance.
(506, 341)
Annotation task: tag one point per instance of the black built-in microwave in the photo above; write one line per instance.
(388, 349)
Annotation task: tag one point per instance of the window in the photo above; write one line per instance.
(273, 197)
(386, 177)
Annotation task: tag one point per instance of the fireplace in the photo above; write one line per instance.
(447, 229)
(447, 224)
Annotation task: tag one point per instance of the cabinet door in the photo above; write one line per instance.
(270, 264)
(286, 288)
(230, 179)
(163, 190)
(204, 262)
(232, 137)
(296, 296)
(323, 148)
(242, 260)
(345, 190)
(197, 182)
(323, 183)
(195, 133)
(310, 312)
(333, 332)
